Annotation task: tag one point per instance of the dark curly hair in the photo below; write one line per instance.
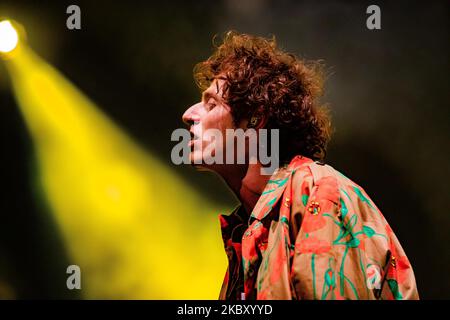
(262, 80)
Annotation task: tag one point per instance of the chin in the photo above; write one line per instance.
(194, 159)
(203, 167)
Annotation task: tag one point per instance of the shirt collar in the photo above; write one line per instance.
(275, 187)
(234, 224)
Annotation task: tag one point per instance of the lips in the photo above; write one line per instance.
(193, 135)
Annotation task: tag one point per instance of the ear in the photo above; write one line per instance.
(257, 121)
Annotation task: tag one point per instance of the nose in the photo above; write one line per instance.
(190, 116)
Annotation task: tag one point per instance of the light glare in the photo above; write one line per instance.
(8, 37)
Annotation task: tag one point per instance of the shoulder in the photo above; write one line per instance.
(326, 182)
(315, 176)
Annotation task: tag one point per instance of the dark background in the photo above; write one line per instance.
(388, 91)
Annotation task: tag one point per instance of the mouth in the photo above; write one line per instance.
(194, 137)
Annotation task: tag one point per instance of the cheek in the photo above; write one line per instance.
(225, 120)
(218, 119)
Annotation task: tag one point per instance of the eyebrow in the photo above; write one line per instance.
(208, 94)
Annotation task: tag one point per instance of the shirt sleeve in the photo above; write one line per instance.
(343, 247)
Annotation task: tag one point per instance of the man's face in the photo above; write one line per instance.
(210, 113)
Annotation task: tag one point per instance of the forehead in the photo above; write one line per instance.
(215, 89)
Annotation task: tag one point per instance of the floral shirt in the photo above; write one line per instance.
(313, 234)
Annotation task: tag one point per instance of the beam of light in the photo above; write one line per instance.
(9, 37)
(135, 229)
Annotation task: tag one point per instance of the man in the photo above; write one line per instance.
(307, 231)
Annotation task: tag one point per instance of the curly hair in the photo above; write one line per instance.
(262, 80)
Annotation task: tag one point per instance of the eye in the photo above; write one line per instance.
(211, 104)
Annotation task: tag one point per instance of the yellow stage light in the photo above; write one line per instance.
(112, 201)
(9, 38)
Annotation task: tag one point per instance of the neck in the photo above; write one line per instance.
(247, 183)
